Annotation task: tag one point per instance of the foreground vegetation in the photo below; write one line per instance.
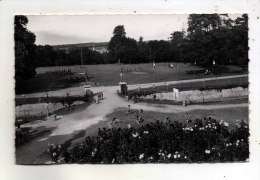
(202, 140)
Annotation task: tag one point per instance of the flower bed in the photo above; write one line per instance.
(170, 142)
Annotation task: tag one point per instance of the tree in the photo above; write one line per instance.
(143, 51)
(177, 45)
(203, 22)
(239, 41)
(217, 37)
(128, 51)
(116, 42)
(161, 51)
(24, 49)
(122, 48)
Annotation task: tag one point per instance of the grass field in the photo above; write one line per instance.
(49, 78)
(109, 74)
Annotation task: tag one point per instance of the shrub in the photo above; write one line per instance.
(200, 141)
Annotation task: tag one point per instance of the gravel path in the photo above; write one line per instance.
(97, 112)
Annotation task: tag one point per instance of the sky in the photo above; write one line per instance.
(72, 29)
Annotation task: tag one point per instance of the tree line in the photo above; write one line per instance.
(48, 56)
(209, 38)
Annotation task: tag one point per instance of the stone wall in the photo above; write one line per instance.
(200, 96)
(39, 109)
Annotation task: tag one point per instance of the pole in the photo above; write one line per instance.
(81, 57)
(194, 69)
(153, 75)
(150, 54)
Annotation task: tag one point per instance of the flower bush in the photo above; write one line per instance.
(202, 140)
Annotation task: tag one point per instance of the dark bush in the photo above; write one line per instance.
(200, 141)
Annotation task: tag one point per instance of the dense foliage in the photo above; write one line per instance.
(204, 140)
(48, 56)
(24, 49)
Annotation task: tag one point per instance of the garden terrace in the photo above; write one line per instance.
(201, 140)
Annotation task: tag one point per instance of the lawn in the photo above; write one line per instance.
(229, 115)
(109, 74)
(47, 81)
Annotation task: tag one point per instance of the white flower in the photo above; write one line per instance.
(113, 160)
(175, 156)
(185, 157)
(169, 156)
(129, 126)
(54, 154)
(93, 154)
(141, 156)
(179, 155)
(191, 129)
(226, 124)
(227, 145)
(207, 151)
(242, 140)
(176, 152)
(135, 135)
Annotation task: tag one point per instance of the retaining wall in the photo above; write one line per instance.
(39, 109)
(200, 96)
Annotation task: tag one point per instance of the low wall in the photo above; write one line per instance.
(39, 109)
(200, 96)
